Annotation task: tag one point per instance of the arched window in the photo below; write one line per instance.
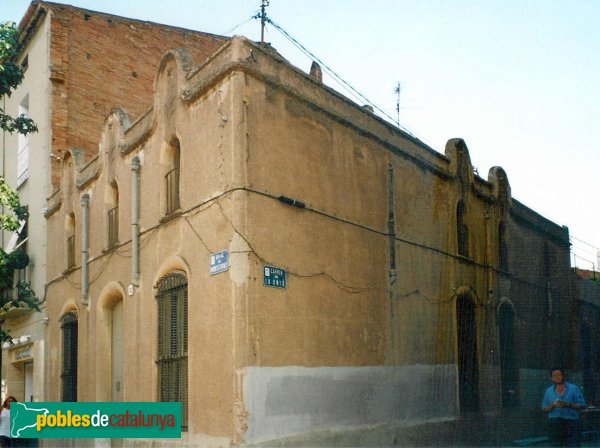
(171, 297)
(70, 241)
(462, 231)
(113, 216)
(172, 178)
(68, 324)
(502, 248)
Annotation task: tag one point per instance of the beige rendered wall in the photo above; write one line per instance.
(33, 193)
(339, 310)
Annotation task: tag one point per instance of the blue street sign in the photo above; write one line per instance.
(219, 262)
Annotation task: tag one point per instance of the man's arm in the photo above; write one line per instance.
(578, 402)
(547, 402)
(549, 407)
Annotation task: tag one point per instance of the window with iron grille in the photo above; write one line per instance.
(172, 179)
(69, 364)
(113, 226)
(462, 230)
(172, 342)
(71, 251)
(172, 182)
(502, 248)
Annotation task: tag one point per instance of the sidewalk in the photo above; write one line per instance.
(471, 431)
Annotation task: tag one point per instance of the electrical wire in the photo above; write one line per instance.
(577, 248)
(584, 242)
(342, 82)
(346, 85)
(239, 25)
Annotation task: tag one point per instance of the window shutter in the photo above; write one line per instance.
(69, 371)
(172, 342)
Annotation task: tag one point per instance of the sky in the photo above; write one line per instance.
(518, 80)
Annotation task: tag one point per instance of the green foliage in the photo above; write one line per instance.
(10, 200)
(11, 75)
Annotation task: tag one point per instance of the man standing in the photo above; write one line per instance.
(562, 402)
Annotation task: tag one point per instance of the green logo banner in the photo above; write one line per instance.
(95, 419)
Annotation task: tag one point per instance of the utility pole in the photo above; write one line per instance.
(263, 19)
(397, 92)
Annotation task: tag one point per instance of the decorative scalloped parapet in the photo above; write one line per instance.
(112, 135)
(178, 80)
(500, 187)
(170, 79)
(460, 161)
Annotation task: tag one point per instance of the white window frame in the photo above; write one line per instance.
(23, 148)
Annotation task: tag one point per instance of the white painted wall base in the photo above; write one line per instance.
(281, 401)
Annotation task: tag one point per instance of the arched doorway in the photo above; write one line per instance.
(508, 358)
(468, 368)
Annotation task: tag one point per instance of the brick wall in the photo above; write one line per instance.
(99, 62)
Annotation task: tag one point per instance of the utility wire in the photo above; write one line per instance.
(584, 242)
(585, 259)
(238, 25)
(347, 86)
(337, 77)
(576, 248)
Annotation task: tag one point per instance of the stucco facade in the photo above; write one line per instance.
(398, 260)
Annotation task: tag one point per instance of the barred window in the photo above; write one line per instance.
(69, 365)
(70, 228)
(502, 248)
(172, 342)
(113, 215)
(113, 226)
(71, 251)
(462, 230)
(172, 179)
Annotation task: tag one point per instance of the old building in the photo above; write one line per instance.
(284, 262)
(78, 65)
(537, 310)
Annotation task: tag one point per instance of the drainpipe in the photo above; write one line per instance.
(135, 226)
(394, 354)
(85, 204)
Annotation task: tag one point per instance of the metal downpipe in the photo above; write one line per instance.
(85, 204)
(135, 226)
